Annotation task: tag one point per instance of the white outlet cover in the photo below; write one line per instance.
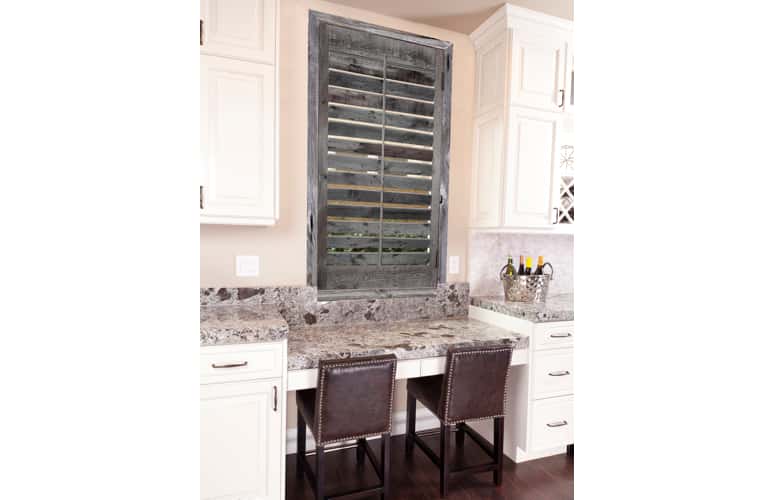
(454, 264)
(247, 265)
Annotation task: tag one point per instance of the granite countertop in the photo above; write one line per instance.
(556, 308)
(405, 339)
(240, 324)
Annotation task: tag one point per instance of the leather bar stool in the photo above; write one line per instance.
(353, 401)
(472, 388)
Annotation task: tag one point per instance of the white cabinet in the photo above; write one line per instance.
(241, 29)
(239, 125)
(522, 99)
(242, 428)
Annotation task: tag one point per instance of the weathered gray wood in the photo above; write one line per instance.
(352, 277)
(397, 181)
(352, 211)
(355, 82)
(407, 90)
(337, 228)
(345, 96)
(402, 168)
(411, 75)
(353, 179)
(406, 258)
(410, 122)
(313, 154)
(355, 195)
(357, 42)
(404, 214)
(357, 64)
(372, 258)
(372, 148)
(356, 131)
(442, 122)
(406, 198)
(406, 153)
(407, 106)
(359, 115)
(356, 163)
(406, 137)
(352, 242)
(405, 243)
(405, 230)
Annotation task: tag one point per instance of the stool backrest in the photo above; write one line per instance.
(355, 398)
(475, 383)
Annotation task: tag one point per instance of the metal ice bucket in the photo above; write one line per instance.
(531, 288)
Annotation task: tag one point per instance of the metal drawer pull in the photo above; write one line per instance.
(560, 335)
(275, 398)
(559, 373)
(557, 424)
(232, 365)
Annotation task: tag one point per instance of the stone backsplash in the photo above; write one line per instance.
(300, 306)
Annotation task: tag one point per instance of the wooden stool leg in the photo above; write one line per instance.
(301, 428)
(319, 472)
(360, 451)
(498, 449)
(411, 408)
(460, 436)
(570, 450)
(446, 431)
(385, 465)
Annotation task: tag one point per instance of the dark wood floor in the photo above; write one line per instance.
(545, 479)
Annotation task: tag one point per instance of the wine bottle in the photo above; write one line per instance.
(539, 269)
(521, 265)
(528, 269)
(509, 269)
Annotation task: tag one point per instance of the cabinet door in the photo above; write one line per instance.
(539, 69)
(488, 133)
(532, 168)
(241, 430)
(241, 29)
(237, 142)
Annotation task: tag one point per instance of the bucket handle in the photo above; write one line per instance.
(550, 275)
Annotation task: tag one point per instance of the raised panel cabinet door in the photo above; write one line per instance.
(491, 75)
(532, 168)
(241, 29)
(237, 142)
(488, 133)
(539, 69)
(240, 431)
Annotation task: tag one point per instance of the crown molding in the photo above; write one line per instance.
(507, 16)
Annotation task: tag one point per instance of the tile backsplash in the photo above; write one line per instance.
(489, 251)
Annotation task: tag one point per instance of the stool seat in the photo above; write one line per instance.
(427, 390)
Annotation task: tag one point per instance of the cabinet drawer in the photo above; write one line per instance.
(241, 362)
(552, 373)
(550, 336)
(552, 424)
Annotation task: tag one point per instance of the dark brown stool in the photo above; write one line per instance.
(353, 400)
(472, 388)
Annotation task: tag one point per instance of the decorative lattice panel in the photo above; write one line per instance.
(567, 186)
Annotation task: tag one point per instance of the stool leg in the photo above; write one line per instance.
(360, 451)
(319, 472)
(570, 450)
(460, 436)
(411, 408)
(446, 431)
(301, 428)
(385, 465)
(498, 449)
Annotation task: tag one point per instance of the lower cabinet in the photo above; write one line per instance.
(241, 436)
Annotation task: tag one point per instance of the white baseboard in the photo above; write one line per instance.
(424, 419)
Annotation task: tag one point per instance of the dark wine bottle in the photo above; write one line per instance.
(509, 269)
(528, 269)
(539, 269)
(521, 265)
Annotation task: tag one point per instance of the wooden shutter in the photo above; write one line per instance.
(380, 140)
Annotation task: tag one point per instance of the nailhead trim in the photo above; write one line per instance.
(450, 378)
(321, 386)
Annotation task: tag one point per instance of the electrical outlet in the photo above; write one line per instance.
(247, 265)
(454, 264)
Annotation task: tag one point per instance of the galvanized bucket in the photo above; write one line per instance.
(531, 288)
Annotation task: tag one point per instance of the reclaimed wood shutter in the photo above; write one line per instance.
(379, 165)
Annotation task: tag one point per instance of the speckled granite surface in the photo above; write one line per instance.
(300, 306)
(237, 324)
(405, 339)
(556, 308)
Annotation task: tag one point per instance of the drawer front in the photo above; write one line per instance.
(552, 336)
(241, 362)
(552, 424)
(552, 373)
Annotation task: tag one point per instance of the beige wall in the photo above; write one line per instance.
(282, 247)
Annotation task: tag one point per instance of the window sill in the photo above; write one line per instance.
(331, 295)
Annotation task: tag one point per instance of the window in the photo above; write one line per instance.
(378, 157)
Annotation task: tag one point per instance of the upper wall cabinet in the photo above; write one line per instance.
(241, 29)
(239, 126)
(523, 93)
